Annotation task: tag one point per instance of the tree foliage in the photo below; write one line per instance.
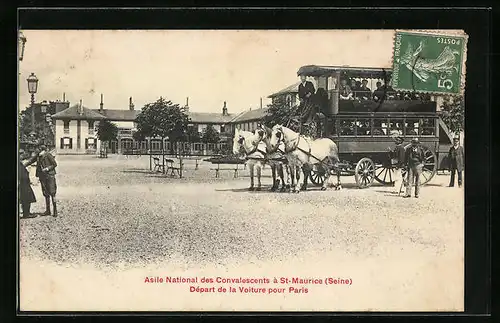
(278, 112)
(107, 130)
(210, 135)
(192, 134)
(163, 119)
(42, 131)
(453, 113)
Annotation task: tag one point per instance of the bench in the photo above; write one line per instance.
(172, 168)
(218, 169)
(158, 167)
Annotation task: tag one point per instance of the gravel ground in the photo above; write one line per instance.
(114, 211)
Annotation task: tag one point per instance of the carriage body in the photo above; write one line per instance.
(362, 127)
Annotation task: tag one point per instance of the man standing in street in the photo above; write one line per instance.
(456, 158)
(397, 161)
(26, 195)
(414, 161)
(46, 171)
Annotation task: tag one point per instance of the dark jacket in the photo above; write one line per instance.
(456, 158)
(45, 161)
(306, 89)
(414, 157)
(26, 194)
(399, 155)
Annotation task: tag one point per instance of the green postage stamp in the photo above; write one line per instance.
(429, 62)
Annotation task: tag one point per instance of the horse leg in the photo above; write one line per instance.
(282, 177)
(273, 171)
(297, 175)
(251, 167)
(288, 176)
(259, 173)
(305, 171)
(293, 175)
(339, 185)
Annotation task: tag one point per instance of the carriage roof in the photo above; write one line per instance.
(358, 72)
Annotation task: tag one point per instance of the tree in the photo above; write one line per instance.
(278, 112)
(453, 111)
(210, 135)
(106, 131)
(163, 119)
(192, 134)
(41, 133)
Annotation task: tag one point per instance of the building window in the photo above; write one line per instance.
(66, 126)
(66, 143)
(222, 128)
(91, 127)
(90, 143)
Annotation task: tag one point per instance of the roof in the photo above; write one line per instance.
(72, 113)
(361, 72)
(294, 88)
(131, 115)
(251, 115)
(209, 117)
(119, 115)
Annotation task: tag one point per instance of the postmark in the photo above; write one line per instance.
(429, 62)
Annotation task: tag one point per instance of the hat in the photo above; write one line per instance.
(456, 138)
(42, 147)
(396, 134)
(415, 140)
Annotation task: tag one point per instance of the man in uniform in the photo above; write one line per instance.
(456, 158)
(46, 171)
(414, 161)
(305, 111)
(397, 160)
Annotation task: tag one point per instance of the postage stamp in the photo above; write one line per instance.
(429, 62)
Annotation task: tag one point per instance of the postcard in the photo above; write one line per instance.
(241, 170)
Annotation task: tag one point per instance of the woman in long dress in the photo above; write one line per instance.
(26, 195)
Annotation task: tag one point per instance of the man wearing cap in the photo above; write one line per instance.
(46, 171)
(414, 161)
(397, 160)
(456, 158)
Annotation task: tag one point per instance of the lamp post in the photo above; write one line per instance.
(21, 44)
(32, 88)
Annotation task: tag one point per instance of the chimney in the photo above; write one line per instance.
(130, 104)
(101, 105)
(187, 105)
(261, 103)
(80, 108)
(224, 110)
(64, 96)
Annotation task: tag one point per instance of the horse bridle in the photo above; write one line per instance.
(287, 150)
(254, 144)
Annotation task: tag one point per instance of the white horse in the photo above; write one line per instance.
(303, 151)
(275, 157)
(248, 143)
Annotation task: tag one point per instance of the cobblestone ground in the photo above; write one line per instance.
(116, 211)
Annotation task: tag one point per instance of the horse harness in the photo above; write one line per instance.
(308, 153)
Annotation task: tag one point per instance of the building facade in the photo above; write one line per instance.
(76, 130)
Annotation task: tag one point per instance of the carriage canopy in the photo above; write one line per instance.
(356, 72)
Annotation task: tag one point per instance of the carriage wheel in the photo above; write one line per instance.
(384, 175)
(317, 176)
(430, 166)
(364, 172)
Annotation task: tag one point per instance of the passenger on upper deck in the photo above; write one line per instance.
(345, 90)
(364, 92)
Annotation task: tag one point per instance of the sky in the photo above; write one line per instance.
(208, 66)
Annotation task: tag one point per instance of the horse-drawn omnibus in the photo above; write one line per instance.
(361, 123)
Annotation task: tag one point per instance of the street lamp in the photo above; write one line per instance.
(21, 44)
(32, 88)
